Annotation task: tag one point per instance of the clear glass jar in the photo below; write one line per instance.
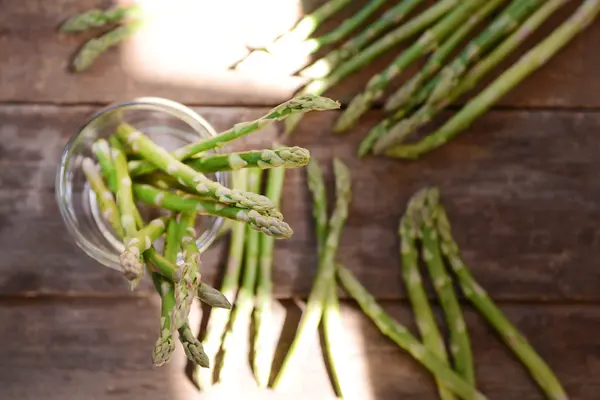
(168, 124)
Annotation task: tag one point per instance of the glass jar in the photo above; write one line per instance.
(165, 122)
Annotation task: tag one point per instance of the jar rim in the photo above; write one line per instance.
(195, 121)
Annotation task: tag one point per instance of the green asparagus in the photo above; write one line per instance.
(95, 47)
(460, 344)
(245, 300)
(270, 225)
(294, 106)
(191, 178)
(367, 55)
(264, 288)
(217, 322)
(410, 224)
(325, 272)
(104, 197)
(165, 346)
(101, 150)
(307, 25)
(437, 59)
(526, 65)
(539, 370)
(187, 288)
(403, 338)
(310, 46)
(162, 266)
(332, 326)
(401, 129)
(503, 25)
(96, 18)
(131, 259)
(212, 297)
(285, 157)
(428, 41)
(395, 15)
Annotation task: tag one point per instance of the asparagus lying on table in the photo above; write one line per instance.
(503, 25)
(95, 47)
(307, 25)
(310, 46)
(400, 129)
(410, 225)
(96, 18)
(370, 53)
(218, 319)
(264, 288)
(538, 369)
(295, 106)
(325, 272)
(527, 64)
(403, 338)
(395, 15)
(460, 344)
(245, 300)
(331, 312)
(426, 43)
(438, 58)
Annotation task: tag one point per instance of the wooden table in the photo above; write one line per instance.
(521, 188)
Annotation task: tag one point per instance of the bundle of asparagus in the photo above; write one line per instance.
(123, 20)
(185, 191)
(425, 220)
(442, 28)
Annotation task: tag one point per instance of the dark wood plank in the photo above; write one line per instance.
(191, 66)
(101, 349)
(520, 190)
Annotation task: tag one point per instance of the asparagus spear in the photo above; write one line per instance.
(432, 339)
(332, 326)
(426, 43)
(503, 25)
(187, 288)
(131, 259)
(367, 55)
(395, 15)
(111, 169)
(165, 346)
(460, 344)
(105, 199)
(270, 225)
(162, 266)
(325, 272)
(264, 288)
(101, 150)
(95, 47)
(402, 337)
(401, 129)
(96, 18)
(217, 322)
(191, 178)
(525, 66)
(437, 59)
(245, 300)
(212, 297)
(286, 157)
(307, 25)
(310, 46)
(539, 370)
(294, 106)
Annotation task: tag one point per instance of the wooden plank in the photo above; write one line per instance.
(520, 189)
(196, 70)
(101, 349)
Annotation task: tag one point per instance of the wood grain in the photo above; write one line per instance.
(186, 63)
(519, 187)
(100, 349)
